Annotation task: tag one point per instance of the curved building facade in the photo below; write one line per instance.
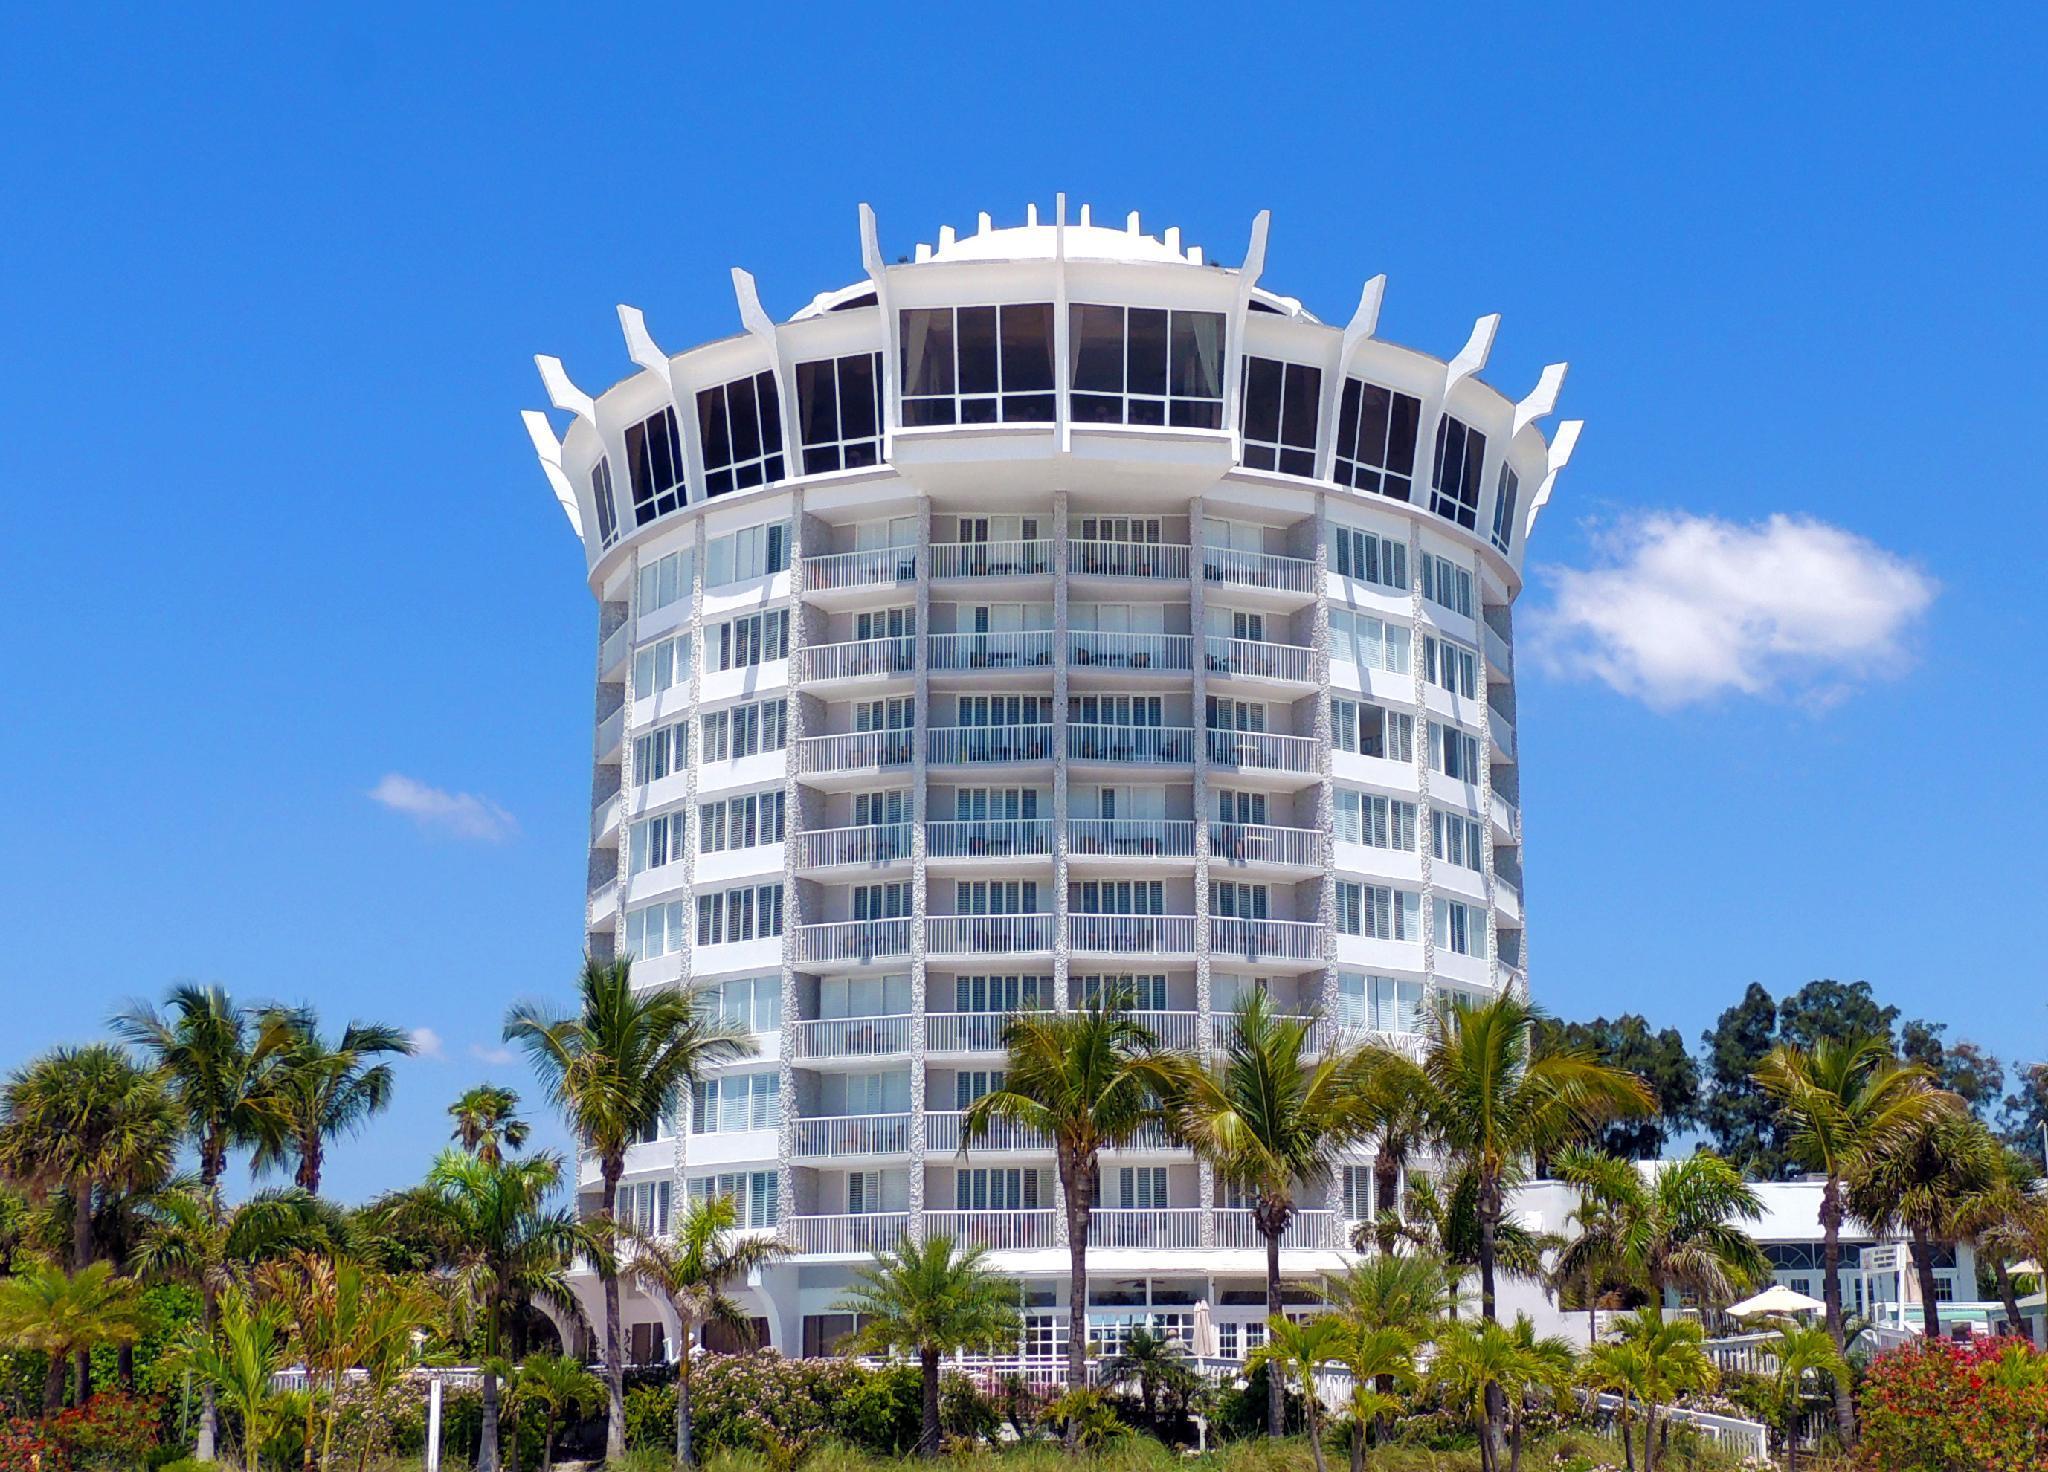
(1053, 611)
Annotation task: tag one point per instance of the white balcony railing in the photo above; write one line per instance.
(999, 1231)
(878, 567)
(856, 659)
(1262, 843)
(870, 846)
(1099, 649)
(1179, 1031)
(954, 745)
(945, 1130)
(1132, 838)
(1223, 1031)
(969, 1032)
(987, 935)
(988, 838)
(1008, 649)
(1132, 935)
(1237, 1228)
(1151, 746)
(852, 942)
(1253, 659)
(853, 1037)
(1262, 751)
(1265, 940)
(853, 1134)
(855, 751)
(1171, 1227)
(992, 559)
(872, 1232)
(1154, 560)
(1504, 814)
(1258, 570)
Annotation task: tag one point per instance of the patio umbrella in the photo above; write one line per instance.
(1776, 1299)
(1204, 1336)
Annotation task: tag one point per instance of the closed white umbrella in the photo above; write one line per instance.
(1776, 1299)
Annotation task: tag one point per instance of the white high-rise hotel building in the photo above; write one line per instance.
(1052, 611)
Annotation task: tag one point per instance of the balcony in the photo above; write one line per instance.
(853, 1037)
(987, 935)
(1507, 900)
(603, 904)
(1131, 935)
(1131, 838)
(881, 567)
(613, 650)
(605, 819)
(970, 1032)
(1309, 1229)
(1177, 1031)
(1265, 940)
(1156, 654)
(1262, 751)
(1175, 1227)
(1502, 731)
(1258, 570)
(857, 659)
(611, 731)
(989, 745)
(1252, 659)
(998, 1231)
(1223, 1031)
(1150, 560)
(992, 559)
(944, 1132)
(1498, 655)
(854, 751)
(1507, 819)
(853, 1134)
(1262, 846)
(1149, 746)
(852, 942)
(989, 838)
(1011, 649)
(873, 846)
(858, 1235)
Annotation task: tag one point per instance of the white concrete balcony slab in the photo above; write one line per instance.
(859, 1235)
(854, 752)
(854, 1037)
(1175, 1227)
(603, 906)
(611, 733)
(989, 746)
(1264, 846)
(1116, 653)
(824, 1136)
(1502, 732)
(1146, 746)
(853, 942)
(1130, 838)
(1500, 659)
(1507, 899)
(1131, 935)
(992, 653)
(873, 846)
(1032, 559)
(988, 935)
(946, 1130)
(613, 652)
(1507, 820)
(1152, 561)
(1254, 661)
(988, 838)
(604, 822)
(1262, 751)
(998, 1231)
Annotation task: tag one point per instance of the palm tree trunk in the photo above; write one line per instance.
(683, 1408)
(1831, 1292)
(2000, 1269)
(1628, 1445)
(1073, 1182)
(487, 1447)
(1358, 1446)
(308, 1177)
(1923, 1269)
(928, 1433)
(1515, 1442)
(1386, 1187)
(53, 1386)
(1650, 1437)
(614, 1330)
(81, 1259)
(1276, 1384)
(1315, 1421)
(204, 1449)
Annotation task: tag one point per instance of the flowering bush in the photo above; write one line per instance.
(113, 1430)
(23, 1449)
(1939, 1407)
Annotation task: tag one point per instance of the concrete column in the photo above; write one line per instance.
(1204, 1027)
(1326, 787)
(1418, 625)
(919, 907)
(792, 897)
(1061, 953)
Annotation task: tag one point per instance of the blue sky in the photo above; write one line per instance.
(270, 289)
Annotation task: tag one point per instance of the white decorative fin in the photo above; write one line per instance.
(549, 449)
(1541, 399)
(562, 393)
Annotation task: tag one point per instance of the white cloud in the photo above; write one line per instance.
(1682, 608)
(496, 1057)
(460, 814)
(426, 1043)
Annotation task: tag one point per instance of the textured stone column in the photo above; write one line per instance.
(919, 906)
(1062, 963)
(1326, 786)
(689, 810)
(1205, 1032)
(793, 724)
(1418, 685)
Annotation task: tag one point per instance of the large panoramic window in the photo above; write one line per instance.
(1504, 506)
(1376, 429)
(741, 423)
(1146, 365)
(978, 365)
(1460, 455)
(1281, 403)
(1368, 558)
(601, 494)
(838, 412)
(654, 465)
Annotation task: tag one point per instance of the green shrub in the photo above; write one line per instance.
(112, 1431)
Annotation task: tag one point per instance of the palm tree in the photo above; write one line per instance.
(487, 1123)
(1669, 1362)
(2006, 1218)
(240, 1362)
(615, 1068)
(693, 1272)
(1088, 1081)
(1844, 1100)
(217, 1061)
(1273, 1121)
(561, 1387)
(1487, 1369)
(1381, 1361)
(926, 1299)
(324, 1090)
(1490, 1104)
(1916, 1185)
(1623, 1369)
(63, 1314)
(1398, 1128)
(1674, 1229)
(502, 1245)
(1301, 1347)
(1802, 1350)
(1151, 1361)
